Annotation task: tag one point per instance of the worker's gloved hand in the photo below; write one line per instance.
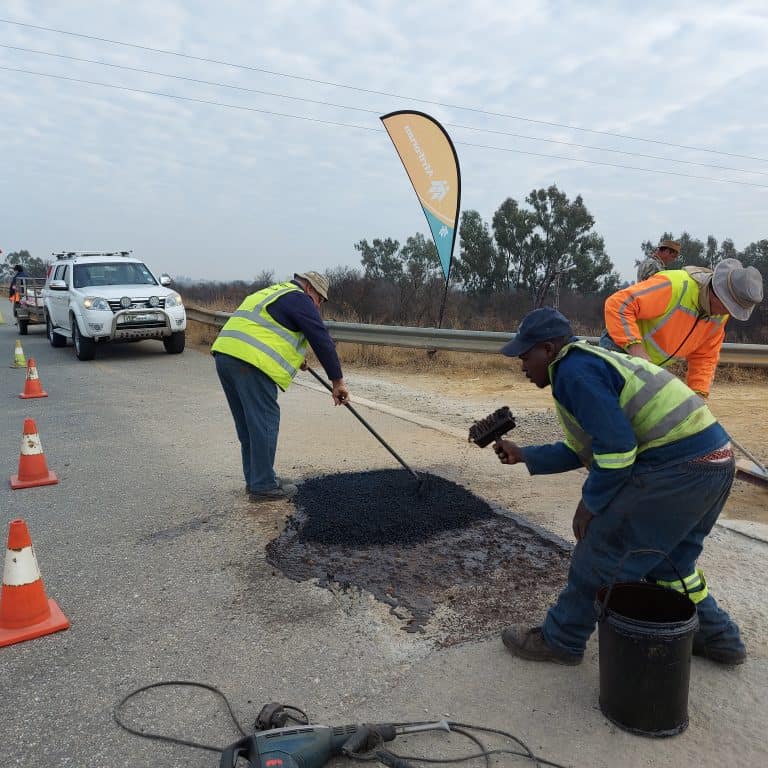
(340, 392)
(581, 521)
(508, 452)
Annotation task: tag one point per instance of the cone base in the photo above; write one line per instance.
(29, 397)
(49, 479)
(54, 623)
(20, 365)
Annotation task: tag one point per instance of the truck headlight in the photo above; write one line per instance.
(95, 303)
(172, 300)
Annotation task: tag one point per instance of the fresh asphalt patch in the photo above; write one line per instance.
(442, 558)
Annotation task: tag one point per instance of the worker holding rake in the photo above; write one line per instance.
(660, 470)
(258, 351)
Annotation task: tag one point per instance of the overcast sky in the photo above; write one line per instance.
(215, 192)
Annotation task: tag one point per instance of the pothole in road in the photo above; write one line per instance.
(442, 559)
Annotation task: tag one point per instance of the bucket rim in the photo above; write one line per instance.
(606, 612)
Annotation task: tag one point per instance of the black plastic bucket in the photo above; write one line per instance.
(646, 637)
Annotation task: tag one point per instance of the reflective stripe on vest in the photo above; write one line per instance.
(684, 300)
(251, 334)
(696, 585)
(660, 408)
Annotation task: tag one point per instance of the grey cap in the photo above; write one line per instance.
(541, 324)
(739, 288)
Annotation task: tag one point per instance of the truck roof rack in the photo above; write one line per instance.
(72, 254)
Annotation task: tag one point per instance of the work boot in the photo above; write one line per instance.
(280, 481)
(528, 643)
(730, 656)
(284, 491)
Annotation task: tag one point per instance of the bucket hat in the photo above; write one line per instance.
(317, 281)
(739, 288)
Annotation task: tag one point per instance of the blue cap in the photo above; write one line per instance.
(540, 325)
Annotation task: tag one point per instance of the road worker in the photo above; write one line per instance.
(681, 314)
(662, 258)
(660, 470)
(258, 351)
(18, 274)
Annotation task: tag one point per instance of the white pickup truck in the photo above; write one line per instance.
(96, 298)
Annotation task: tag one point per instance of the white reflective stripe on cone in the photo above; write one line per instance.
(20, 567)
(33, 374)
(30, 445)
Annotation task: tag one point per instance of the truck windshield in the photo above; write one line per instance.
(112, 273)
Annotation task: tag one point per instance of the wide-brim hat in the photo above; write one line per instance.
(673, 245)
(317, 281)
(739, 288)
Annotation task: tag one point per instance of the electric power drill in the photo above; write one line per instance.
(312, 746)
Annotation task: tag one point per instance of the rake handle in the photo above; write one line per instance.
(365, 424)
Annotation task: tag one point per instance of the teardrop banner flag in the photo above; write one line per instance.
(432, 165)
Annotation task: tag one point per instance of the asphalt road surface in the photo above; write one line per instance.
(152, 551)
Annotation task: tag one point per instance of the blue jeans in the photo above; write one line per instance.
(252, 398)
(670, 508)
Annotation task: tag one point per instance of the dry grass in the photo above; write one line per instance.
(368, 357)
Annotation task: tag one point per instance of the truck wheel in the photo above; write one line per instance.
(85, 348)
(23, 324)
(174, 344)
(56, 339)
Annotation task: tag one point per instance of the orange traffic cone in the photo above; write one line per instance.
(33, 468)
(25, 610)
(32, 386)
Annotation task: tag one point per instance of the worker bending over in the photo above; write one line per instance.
(681, 314)
(260, 349)
(660, 470)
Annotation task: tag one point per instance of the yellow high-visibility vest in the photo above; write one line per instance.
(660, 408)
(254, 336)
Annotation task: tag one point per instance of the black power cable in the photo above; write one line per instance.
(172, 739)
(376, 753)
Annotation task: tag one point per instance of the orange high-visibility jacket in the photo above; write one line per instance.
(663, 313)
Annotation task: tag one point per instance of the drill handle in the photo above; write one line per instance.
(234, 752)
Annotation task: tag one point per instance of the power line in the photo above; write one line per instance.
(367, 128)
(189, 98)
(615, 165)
(359, 89)
(320, 102)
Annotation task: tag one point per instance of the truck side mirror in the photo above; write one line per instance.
(57, 285)
(165, 279)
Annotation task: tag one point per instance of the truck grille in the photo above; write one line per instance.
(115, 306)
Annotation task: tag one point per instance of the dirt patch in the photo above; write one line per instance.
(444, 560)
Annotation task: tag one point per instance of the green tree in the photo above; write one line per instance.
(380, 259)
(756, 255)
(553, 241)
(478, 267)
(33, 266)
(512, 227)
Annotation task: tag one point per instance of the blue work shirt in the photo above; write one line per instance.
(298, 313)
(16, 276)
(589, 388)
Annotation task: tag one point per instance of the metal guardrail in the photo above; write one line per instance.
(487, 342)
